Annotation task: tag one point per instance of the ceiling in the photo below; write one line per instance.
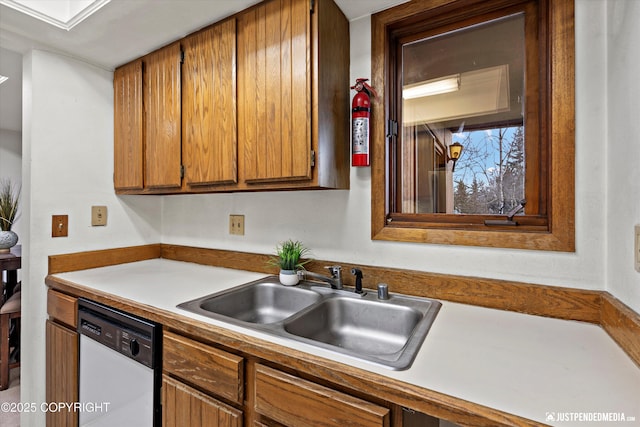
(120, 31)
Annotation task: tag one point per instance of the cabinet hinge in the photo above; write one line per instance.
(312, 6)
(313, 158)
(392, 128)
(181, 171)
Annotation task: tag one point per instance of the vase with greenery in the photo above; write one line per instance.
(290, 257)
(9, 198)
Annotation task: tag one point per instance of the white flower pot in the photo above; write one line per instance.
(289, 277)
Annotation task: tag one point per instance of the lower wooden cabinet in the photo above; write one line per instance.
(273, 398)
(62, 373)
(186, 406)
(294, 401)
(215, 371)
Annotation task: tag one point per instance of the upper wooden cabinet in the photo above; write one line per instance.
(260, 102)
(293, 91)
(209, 123)
(147, 119)
(275, 91)
(128, 127)
(162, 118)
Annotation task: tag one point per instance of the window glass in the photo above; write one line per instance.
(467, 87)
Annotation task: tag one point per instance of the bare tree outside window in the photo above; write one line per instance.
(490, 174)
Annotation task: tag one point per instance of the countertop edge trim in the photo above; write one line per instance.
(622, 324)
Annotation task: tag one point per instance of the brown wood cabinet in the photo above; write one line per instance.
(216, 373)
(128, 127)
(293, 94)
(162, 118)
(209, 123)
(294, 401)
(62, 347)
(261, 102)
(213, 370)
(185, 406)
(198, 374)
(147, 123)
(275, 91)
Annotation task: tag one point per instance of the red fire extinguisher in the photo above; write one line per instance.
(360, 112)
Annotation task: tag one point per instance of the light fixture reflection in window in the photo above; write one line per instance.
(432, 87)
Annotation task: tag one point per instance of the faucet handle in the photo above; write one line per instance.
(335, 270)
(358, 273)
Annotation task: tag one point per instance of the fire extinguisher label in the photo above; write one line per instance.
(360, 135)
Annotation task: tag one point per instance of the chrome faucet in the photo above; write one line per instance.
(335, 281)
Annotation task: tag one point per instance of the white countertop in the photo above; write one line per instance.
(530, 366)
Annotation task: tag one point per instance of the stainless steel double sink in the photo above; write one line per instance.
(387, 332)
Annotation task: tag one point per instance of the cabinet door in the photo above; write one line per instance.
(62, 373)
(274, 89)
(162, 118)
(127, 130)
(185, 406)
(209, 134)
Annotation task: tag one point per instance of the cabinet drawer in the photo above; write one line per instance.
(63, 308)
(185, 406)
(297, 402)
(213, 370)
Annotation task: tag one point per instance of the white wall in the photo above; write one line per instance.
(11, 165)
(67, 167)
(11, 154)
(11, 90)
(335, 224)
(10, 122)
(623, 139)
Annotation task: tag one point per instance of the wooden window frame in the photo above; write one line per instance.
(555, 232)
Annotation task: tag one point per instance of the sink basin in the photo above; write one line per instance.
(386, 332)
(258, 302)
(361, 326)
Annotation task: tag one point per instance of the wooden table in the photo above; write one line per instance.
(11, 262)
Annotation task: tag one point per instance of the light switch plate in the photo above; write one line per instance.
(59, 225)
(236, 225)
(98, 215)
(636, 248)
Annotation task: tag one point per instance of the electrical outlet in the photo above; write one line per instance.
(59, 225)
(236, 225)
(637, 248)
(98, 215)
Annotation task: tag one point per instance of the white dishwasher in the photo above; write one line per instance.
(120, 368)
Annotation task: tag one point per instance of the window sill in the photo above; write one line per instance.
(562, 241)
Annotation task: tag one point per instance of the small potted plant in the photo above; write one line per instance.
(289, 255)
(9, 197)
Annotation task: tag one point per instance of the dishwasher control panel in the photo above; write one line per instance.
(129, 335)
